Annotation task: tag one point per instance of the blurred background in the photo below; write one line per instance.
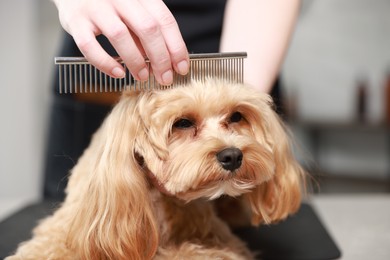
(336, 87)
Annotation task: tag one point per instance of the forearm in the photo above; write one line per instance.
(263, 29)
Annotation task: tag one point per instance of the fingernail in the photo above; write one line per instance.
(143, 75)
(183, 67)
(118, 72)
(167, 77)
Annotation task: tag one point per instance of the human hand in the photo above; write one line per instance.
(135, 28)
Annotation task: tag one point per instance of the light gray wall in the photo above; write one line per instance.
(28, 39)
(336, 43)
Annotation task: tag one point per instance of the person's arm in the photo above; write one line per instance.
(135, 28)
(262, 28)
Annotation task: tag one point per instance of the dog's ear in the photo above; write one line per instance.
(276, 198)
(112, 210)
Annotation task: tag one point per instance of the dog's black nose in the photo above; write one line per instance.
(230, 158)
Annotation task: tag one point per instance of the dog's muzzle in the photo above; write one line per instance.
(230, 158)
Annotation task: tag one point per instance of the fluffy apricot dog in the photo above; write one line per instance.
(148, 184)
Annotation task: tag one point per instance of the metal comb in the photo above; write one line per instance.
(77, 75)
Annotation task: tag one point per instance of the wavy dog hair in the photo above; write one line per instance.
(109, 213)
(276, 198)
(114, 218)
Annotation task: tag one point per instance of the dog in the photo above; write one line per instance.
(149, 184)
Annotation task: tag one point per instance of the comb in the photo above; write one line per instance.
(77, 75)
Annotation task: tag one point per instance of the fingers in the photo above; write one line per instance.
(135, 28)
(86, 41)
(77, 20)
(171, 34)
(147, 29)
(125, 45)
(160, 37)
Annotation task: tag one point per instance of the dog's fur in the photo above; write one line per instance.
(146, 186)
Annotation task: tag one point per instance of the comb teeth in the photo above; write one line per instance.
(77, 75)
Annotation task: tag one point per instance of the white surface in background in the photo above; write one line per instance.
(360, 224)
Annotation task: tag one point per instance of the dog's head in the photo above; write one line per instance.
(212, 138)
(203, 140)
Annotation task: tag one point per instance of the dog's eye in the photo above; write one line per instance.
(235, 117)
(183, 123)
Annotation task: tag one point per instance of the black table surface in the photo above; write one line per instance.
(300, 237)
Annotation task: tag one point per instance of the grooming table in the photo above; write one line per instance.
(300, 237)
